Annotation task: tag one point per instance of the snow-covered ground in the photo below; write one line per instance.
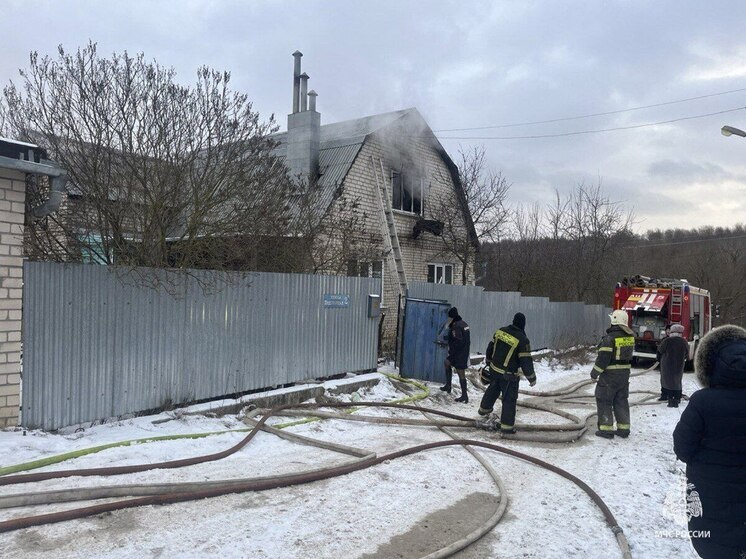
(404, 508)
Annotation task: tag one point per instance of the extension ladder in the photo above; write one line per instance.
(388, 224)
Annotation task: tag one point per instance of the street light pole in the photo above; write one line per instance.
(730, 130)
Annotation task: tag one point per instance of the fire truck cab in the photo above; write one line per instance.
(653, 305)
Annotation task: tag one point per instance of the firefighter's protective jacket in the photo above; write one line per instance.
(509, 350)
(615, 351)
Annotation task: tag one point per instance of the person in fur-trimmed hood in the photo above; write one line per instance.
(711, 439)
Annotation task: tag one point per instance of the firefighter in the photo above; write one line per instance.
(459, 344)
(611, 371)
(672, 355)
(508, 351)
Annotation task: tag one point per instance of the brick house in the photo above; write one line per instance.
(389, 171)
(396, 170)
(18, 161)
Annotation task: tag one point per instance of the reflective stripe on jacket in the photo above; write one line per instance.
(510, 350)
(615, 350)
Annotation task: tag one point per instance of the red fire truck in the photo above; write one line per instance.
(654, 304)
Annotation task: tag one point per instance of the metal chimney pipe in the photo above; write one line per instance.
(312, 100)
(296, 81)
(303, 91)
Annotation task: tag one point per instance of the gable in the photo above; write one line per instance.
(341, 143)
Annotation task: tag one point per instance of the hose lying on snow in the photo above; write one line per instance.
(57, 458)
(237, 486)
(119, 470)
(297, 479)
(104, 492)
(578, 385)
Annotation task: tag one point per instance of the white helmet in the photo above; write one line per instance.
(619, 317)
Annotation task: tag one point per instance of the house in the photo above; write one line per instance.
(374, 196)
(393, 170)
(19, 161)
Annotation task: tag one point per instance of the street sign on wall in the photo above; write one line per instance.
(336, 301)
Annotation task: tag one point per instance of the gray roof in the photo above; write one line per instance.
(340, 143)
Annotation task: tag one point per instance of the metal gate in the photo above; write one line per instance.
(422, 355)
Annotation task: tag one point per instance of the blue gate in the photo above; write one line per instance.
(422, 355)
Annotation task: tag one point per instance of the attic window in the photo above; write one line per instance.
(407, 193)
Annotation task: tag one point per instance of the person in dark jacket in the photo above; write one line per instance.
(459, 344)
(611, 370)
(508, 351)
(711, 439)
(673, 352)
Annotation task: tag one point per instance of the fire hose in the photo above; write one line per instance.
(291, 480)
(235, 486)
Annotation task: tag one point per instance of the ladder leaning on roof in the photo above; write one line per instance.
(389, 226)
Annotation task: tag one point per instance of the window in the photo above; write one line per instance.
(407, 193)
(92, 249)
(363, 269)
(440, 273)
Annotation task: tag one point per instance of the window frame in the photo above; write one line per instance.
(87, 242)
(404, 178)
(444, 268)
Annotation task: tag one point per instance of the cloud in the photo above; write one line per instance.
(691, 171)
(470, 64)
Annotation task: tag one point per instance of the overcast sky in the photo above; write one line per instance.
(469, 64)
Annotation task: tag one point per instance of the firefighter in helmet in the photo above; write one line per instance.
(508, 351)
(611, 371)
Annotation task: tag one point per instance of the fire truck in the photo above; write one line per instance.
(653, 304)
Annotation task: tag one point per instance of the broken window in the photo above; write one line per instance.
(440, 273)
(407, 192)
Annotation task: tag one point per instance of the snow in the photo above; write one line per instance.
(354, 515)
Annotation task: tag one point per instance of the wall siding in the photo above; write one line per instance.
(549, 324)
(97, 344)
(360, 184)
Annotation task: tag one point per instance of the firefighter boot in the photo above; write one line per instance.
(605, 434)
(464, 393)
(664, 395)
(447, 386)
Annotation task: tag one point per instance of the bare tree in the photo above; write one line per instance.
(590, 222)
(161, 174)
(484, 194)
(571, 249)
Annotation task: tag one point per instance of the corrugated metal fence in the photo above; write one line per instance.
(98, 344)
(548, 324)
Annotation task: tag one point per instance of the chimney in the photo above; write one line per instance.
(303, 91)
(304, 129)
(296, 82)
